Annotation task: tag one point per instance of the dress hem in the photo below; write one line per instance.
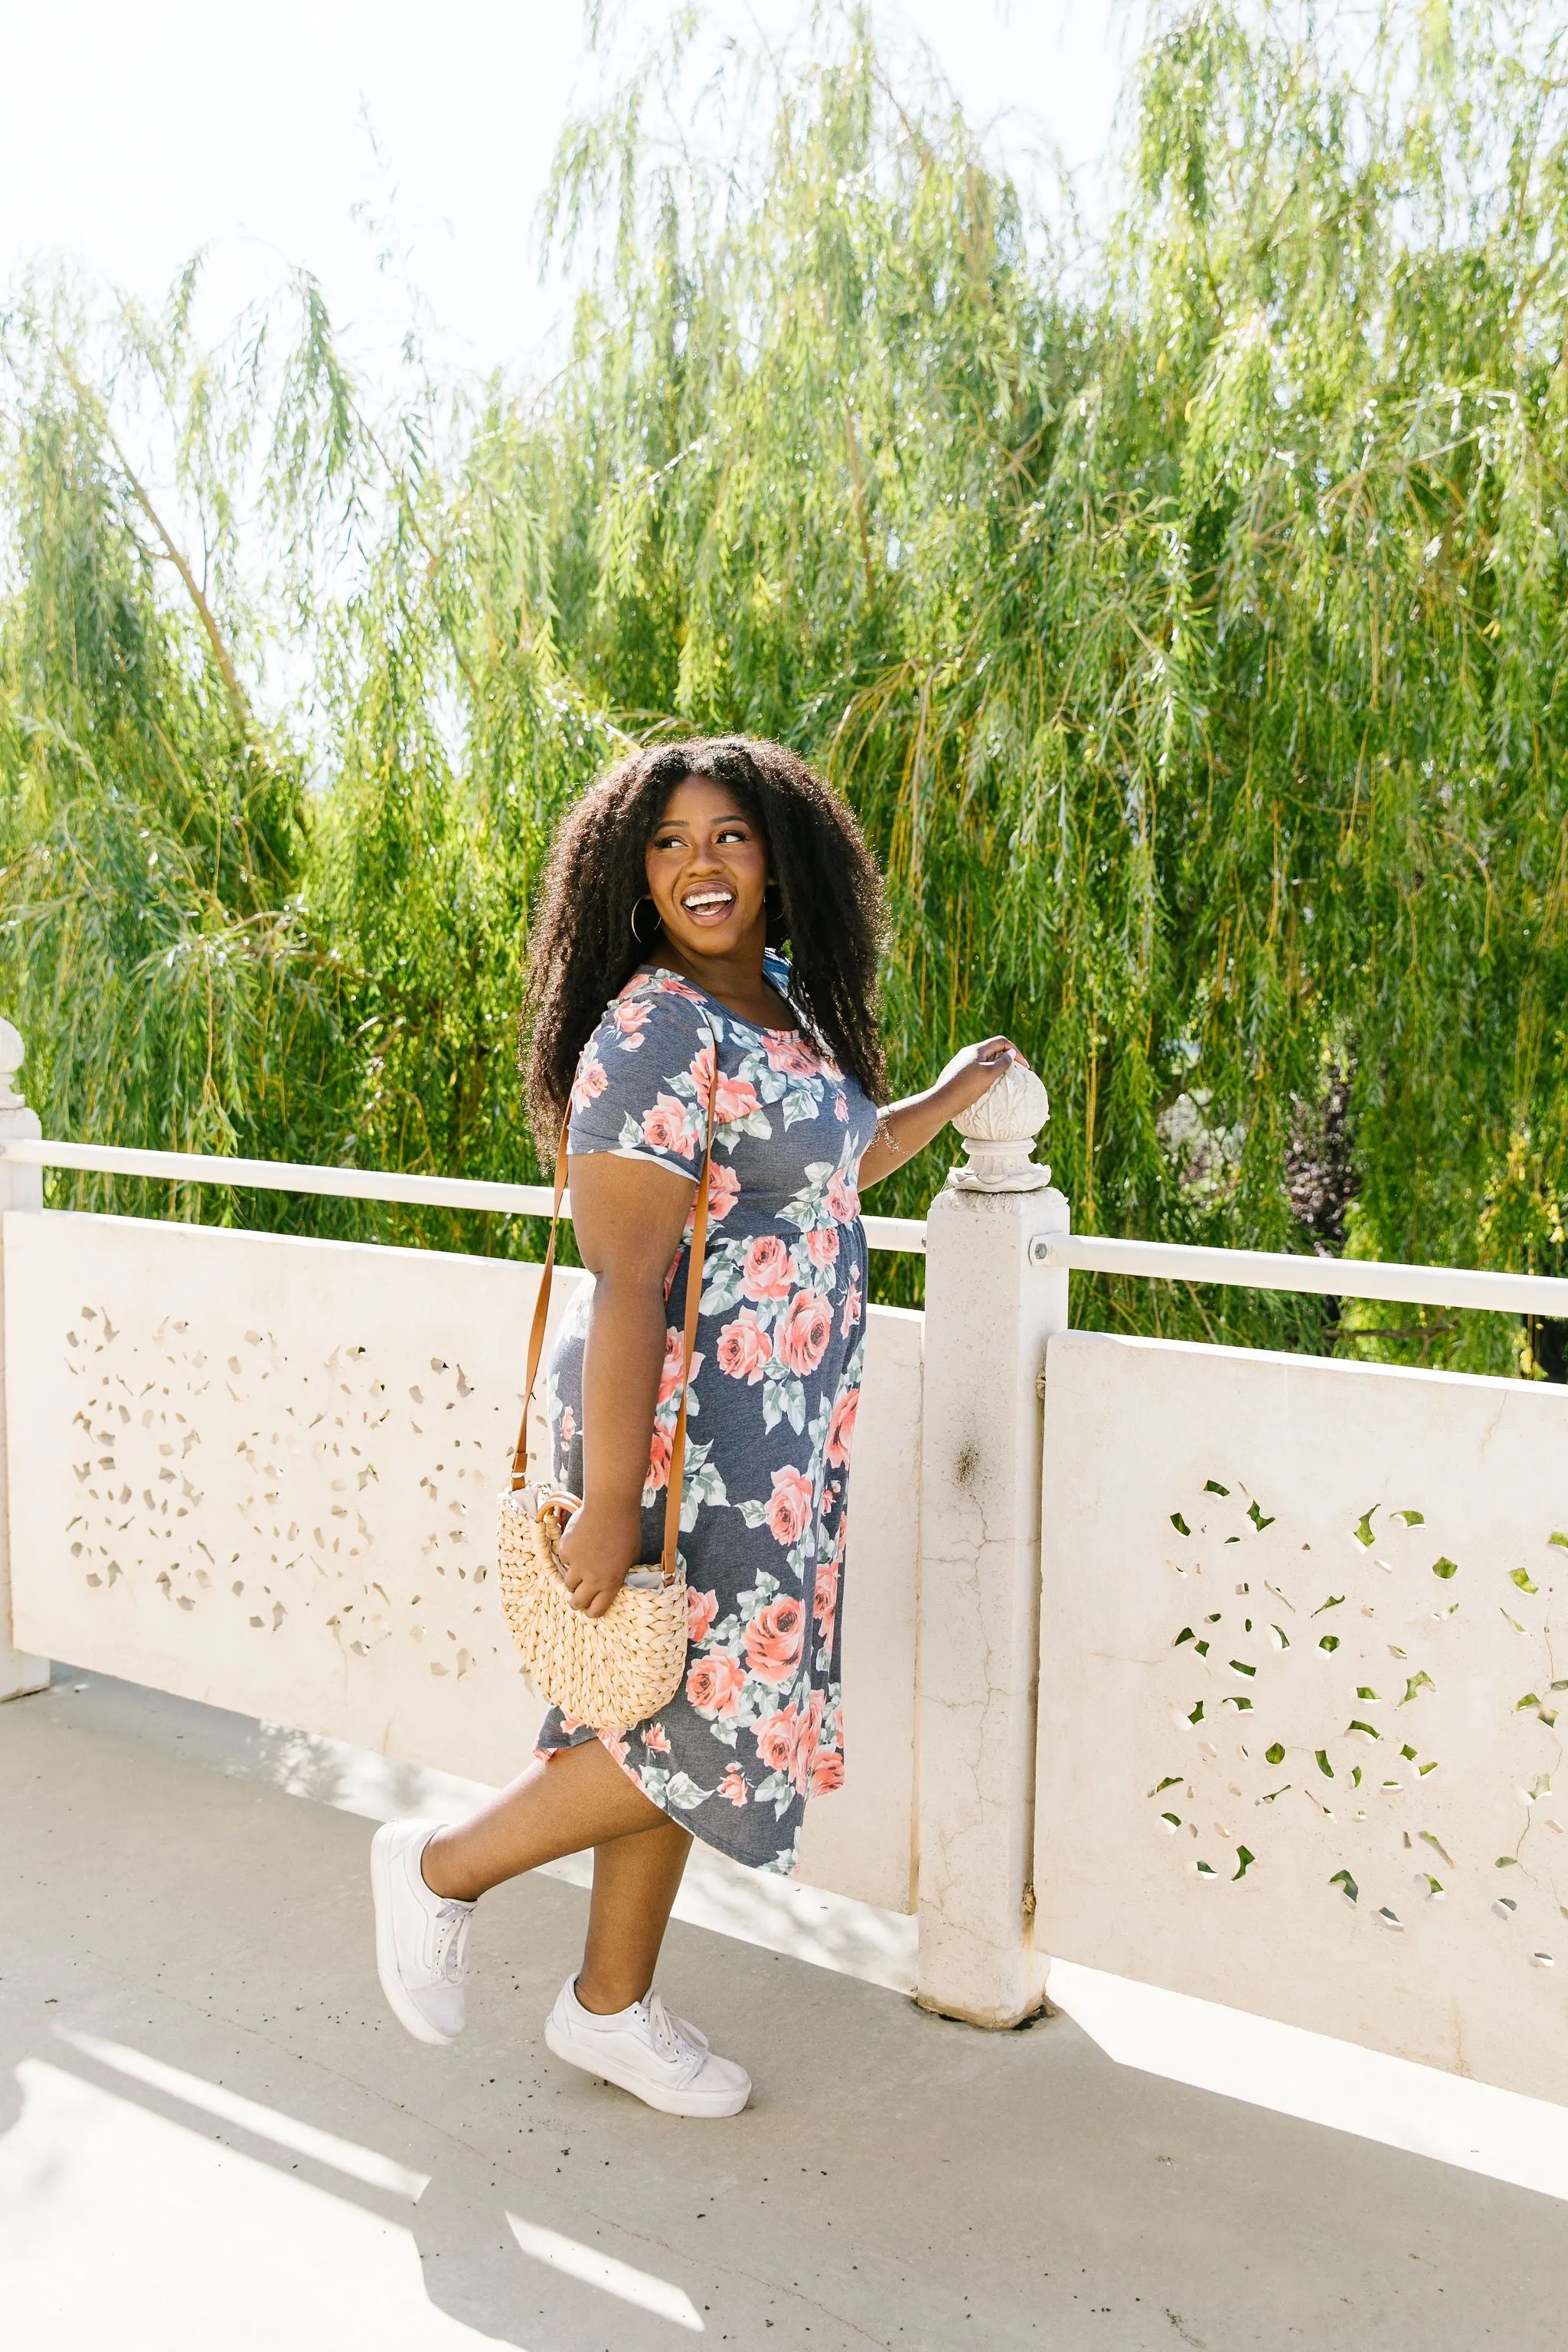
(547, 1755)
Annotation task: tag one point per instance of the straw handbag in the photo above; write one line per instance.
(620, 1668)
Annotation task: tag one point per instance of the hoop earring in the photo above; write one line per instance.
(657, 924)
(777, 929)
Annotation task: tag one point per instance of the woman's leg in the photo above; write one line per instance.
(635, 1881)
(580, 1798)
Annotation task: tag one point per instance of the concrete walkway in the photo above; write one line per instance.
(214, 2139)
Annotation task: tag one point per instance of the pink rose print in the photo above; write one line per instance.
(789, 1055)
(826, 1771)
(765, 1270)
(773, 1638)
(841, 1427)
(843, 1200)
(851, 1314)
(822, 1245)
(656, 1739)
(787, 1741)
(824, 1600)
(674, 1355)
(615, 1744)
(737, 1099)
(590, 1081)
(744, 1349)
(658, 1458)
(665, 1128)
(714, 1684)
(701, 1608)
(630, 1020)
(841, 1108)
(776, 1737)
(568, 1426)
(789, 1510)
(737, 1096)
(733, 1786)
(802, 1338)
(723, 1192)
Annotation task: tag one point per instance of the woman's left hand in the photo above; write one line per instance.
(905, 1128)
(974, 1071)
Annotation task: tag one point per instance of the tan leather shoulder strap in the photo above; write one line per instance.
(541, 1314)
(669, 1557)
(694, 1269)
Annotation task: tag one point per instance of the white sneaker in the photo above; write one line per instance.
(420, 1937)
(645, 2050)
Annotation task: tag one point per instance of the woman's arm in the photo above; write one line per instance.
(907, 1126)
(629, 1216)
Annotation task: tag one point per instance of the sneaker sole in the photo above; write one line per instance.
(709, 2104)
(391, 1984)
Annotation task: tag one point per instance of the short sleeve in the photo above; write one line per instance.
(641, 1088)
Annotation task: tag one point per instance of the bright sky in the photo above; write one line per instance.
(138, 132)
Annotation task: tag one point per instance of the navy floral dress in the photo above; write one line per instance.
(755, 1727)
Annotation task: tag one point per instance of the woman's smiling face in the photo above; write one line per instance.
(707, 868)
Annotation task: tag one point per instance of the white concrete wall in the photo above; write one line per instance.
(260, 1472)
(1381, 1593)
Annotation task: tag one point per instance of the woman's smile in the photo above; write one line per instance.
(708, 906)
(708, 872)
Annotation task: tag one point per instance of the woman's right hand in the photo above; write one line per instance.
(598, 1551)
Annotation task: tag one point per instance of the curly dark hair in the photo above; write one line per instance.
(582, 950)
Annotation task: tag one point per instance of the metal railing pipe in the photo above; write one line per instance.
(352, 1184)
(1337, 1277)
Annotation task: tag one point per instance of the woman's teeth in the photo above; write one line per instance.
(701, 901)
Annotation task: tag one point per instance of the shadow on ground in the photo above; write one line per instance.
(211, 2135)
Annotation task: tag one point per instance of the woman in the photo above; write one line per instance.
(672, 884)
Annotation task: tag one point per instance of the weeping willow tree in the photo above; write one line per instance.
(208, 947)
(1182, 613)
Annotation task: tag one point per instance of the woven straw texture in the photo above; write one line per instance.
(610, 1670)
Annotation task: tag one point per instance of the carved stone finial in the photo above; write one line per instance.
(11, 1052)
(998, 1132)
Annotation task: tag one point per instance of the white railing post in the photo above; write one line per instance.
(20, 1187)
(989, 1312)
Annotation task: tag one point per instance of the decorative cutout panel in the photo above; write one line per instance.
(261, 1472)
(1305, 1645)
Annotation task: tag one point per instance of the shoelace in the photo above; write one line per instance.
(453, 1921)
(668, 2039)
